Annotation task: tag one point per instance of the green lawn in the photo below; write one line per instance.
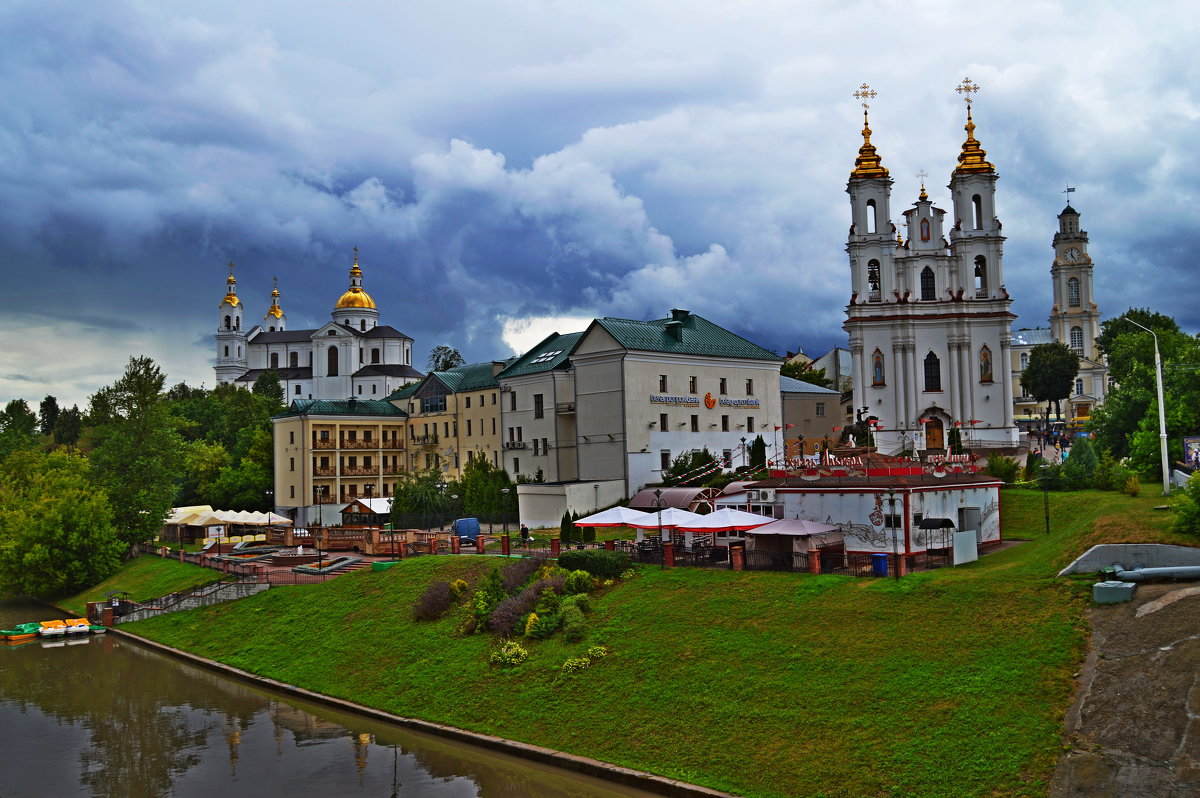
(143, 578)
(951, 683)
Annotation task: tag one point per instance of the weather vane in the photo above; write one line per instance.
(865, 93)
(1069, 191)
(966, 88)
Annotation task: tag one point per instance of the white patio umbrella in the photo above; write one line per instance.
(614, 516)
(725, 518)
(672, 517)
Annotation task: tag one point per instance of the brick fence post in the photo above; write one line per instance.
(610, 545)
(455, 544)
(181, 555)
(505, 545)
(555, 546)
(737, 558)
(668, 554)
(814, 561)
(480, 544)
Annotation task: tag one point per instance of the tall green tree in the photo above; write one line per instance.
(1050, 375)
(138, 452)
(444, 358)
(18, 427)
(758, 452)
(268, 386)
(806, 373)
(56, 526)
(48, 414)
(1114, 328)
(69, 426)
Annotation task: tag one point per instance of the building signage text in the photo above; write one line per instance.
(661, 399)
(739, 402)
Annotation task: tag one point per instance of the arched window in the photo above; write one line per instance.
(874, 294)
(294, 359)
(985, 364)
(933, 373)
(877, 375)
(271, 328)
(375, 355)
(237, 322)
(333, 361)
(1073, 292)
(226, 351)
(872, 217)
(1078, 387)
(928, 284)
(1024, 360)
(981, 286)
(362, 324)
(977, 211)
(924, 229)
(274, 360)
(228, 322)
(1077, 338)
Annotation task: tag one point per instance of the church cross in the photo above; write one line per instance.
(966, 88)
(230, 268)
(865, 93)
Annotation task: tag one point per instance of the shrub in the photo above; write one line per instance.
(531, 623)
(600, 563)
(507, 615)
(573, 624)
(547, 601)
(1033, 462)
(541, 627)
(1132, 486)
(579, 582)
(1080, 467)
(516, 574)
(459, 588)
(488, 594)
(575, 665)
(579, 600)
(1003, 468)
(1187, 507)
(510, 654)
(597, 652)
(1103, 476)
(628, 573)
(434, 602)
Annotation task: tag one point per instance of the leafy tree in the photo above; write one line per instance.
(18, 427)
(806, 373)
(1050, 375)
(758, 452)
(422, 493)
(48, 414)
(444, 358)
(1187, 507)
(69, 426)
(56, 527)
(1114, 328)
(956, 444)
(1080, 468)
(268, 385)
(482, 487)
(687, 463)
(203, 462)
(138, 452)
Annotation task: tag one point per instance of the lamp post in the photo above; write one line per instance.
(662, 561)
(743, 452)
(504, 508)
(1045, 468)
(891, 525)
(1162, 414)
(392, 523)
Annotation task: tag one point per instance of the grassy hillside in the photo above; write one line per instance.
(143, 578)
(951, 683)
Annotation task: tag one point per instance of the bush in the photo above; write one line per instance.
(531, 623)
(1132, 486)
(628, 573)
(1080, 467)
(573, 624)
(1033, 462)
(1003, 468)
(507, 615)
(1106, 468)
(459, 588)
(1187, 507)
(516, 574)
(434, 602)
(576, 665)
(488, 594)
(541, 627)
(579, 582)
(579, 600)
(510, 654)
(600, 563)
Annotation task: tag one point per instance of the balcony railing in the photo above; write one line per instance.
(325, 472)
(360, 471)
(981, 293)
(394, 443)
(357, 444)
(564, 407)
(393, 470)
(426, 440)
(325, 498)
(514, 444)
(324, 443)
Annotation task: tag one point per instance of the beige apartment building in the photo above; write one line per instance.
(453, 415)
(331, 452)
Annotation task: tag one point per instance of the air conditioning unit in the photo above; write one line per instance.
(761, 495)
(514, 444)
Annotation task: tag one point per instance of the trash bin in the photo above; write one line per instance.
(879, 565)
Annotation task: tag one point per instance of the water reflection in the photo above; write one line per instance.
(104, 717)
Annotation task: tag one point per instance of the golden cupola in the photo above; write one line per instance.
(231, 297)
(972, 160)
(868, 163)
(355, 296)
(275, 311)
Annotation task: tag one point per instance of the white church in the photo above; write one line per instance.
(351, 355)
(929, 318)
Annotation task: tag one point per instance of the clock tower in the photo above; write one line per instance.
(1075, 318)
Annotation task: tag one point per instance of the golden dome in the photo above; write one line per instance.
(275, 310)
(868, 163)
(355, 298)
(231, 297)
(973, 158)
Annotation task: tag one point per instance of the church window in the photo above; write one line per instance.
(985, 364)
(928, 285)
(1078, 387)
(239, 351)
(1077, 338)
(1024, 360)
(297, 390)
(977, 211)
(933, 373)
(274, 360)
(1073, 292)
(310, 359)
(333, 361)
(360, 356)
(981, 286)
(872, 217)
(877, 368)
(294, 359)
(360, 390)
(237, 322)
(271, 328)
(332, 332)
(226, 351)
(227, 322)
(362, 324)
(873, 287)
(375, 355)
(924, 229)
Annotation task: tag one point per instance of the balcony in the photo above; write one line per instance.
(390, 470)
(357, 444)
(325, 472)
(514, 444)
(360, 471)
(325, 498)
(394, 443)
(564, 407)
(981, 293)
(324, 443)
(426, 440)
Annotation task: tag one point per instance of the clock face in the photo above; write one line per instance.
(1072, 255)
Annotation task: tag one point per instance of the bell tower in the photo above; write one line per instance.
(231, 340)
(1075, 317)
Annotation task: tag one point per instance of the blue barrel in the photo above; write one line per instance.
(879, 564)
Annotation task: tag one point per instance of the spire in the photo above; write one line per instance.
(973, 158)
(231, 297)
(275, 310)
(868, 163)
(924, 197)
(355, 297)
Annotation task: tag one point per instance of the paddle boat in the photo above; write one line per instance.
(22, 632)
(49, 629)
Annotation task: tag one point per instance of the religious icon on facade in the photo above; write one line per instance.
(985, 365)
(877, 368)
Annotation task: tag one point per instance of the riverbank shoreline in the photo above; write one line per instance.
(546, 756)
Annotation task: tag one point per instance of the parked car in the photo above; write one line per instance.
(466, 528)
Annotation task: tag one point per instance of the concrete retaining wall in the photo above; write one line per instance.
(234, 590)
(1149, 555)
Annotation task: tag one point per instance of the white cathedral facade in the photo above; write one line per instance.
(929, 318)
(351, 355)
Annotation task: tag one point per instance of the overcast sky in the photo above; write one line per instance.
(508, 168)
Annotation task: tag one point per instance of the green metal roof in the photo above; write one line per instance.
(697, 336)
(548, 355)
(471, 377)
(405, 391)
(342, 407)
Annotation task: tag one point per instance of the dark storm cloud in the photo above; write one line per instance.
(617, 159)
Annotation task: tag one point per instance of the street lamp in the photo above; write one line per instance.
(392, 522)
(1162, 414)
(891, 497)
(662, 556)
(743, 452)
(1045, 467)
(504, 508)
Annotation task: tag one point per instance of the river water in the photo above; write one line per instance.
(106, 717)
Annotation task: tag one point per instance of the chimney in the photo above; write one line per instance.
(675, 329)
(679, 315)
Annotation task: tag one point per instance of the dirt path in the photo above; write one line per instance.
(1134, 729)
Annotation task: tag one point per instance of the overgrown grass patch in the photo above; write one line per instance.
(950, 683)
(143, 578)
